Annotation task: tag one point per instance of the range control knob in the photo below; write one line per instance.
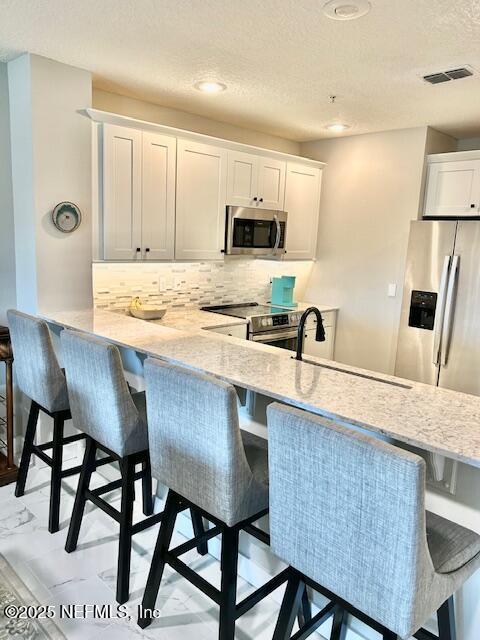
(270, 321)
(264, 322)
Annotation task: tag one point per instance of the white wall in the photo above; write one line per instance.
(371, 190)
(115, 103)
(7, 247)
(51, 162)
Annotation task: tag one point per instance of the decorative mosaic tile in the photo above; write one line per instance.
(193, 284)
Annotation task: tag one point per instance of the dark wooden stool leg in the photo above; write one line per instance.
(127, 468)
(158, 560)
(228, 588)
(291, 602)
(88, 467)
(56, 475)
(305, 610)
(339, 626)
(198, 530)
(27, 449)
(389, 635)
(446, 621)
(147, 488)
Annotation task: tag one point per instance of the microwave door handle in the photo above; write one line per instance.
(449, 309)
(440, 311)
(278, 236)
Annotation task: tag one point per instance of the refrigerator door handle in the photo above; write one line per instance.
(440, 311)
(449, 306)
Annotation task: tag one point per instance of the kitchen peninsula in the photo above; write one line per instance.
(433, 419)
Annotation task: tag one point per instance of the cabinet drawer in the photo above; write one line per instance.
(235, 331)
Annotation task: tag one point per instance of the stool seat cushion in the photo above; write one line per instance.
(256, 450)
(451, 546)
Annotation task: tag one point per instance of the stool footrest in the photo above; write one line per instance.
(192, 576)
(71, 471)
(258, 533)
(104, 506)
(194, 542)
(42, 455)
(250, 601)
(147, 522)
(67, 440)
(423, 634)
(317, 620)
(115, 484)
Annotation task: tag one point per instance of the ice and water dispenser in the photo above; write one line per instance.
(422, 310)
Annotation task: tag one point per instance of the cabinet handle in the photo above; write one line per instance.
(472, 206)
(138, 249)
(260, 199)
(255, 199)
(147, 249)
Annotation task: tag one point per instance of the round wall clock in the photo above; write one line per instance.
(66, 217)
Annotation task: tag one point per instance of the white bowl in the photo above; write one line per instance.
(148, 312)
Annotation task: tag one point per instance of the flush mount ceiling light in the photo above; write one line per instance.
(346, 10)
(337, 127)
(210, 86)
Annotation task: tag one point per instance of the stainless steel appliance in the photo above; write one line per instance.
(260, 232)
(439, 336)
(271, 325)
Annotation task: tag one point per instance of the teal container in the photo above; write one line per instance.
(282, 291)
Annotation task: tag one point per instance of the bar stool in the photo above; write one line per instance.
(41, 379)
(347, 512)
(115, 422)
(199, 452)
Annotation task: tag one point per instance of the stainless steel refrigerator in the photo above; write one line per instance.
(439, 335)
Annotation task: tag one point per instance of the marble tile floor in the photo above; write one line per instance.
(88, 575)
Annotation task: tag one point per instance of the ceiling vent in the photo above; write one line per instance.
(446, 76)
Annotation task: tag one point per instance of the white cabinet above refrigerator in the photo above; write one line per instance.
(453, 185)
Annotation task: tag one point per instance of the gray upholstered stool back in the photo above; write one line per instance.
(38, 373)
(195, 443)
(348, 511)
(100, 401)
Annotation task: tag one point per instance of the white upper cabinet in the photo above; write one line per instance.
(271, 183)
(242, 186)
(453, 188)
(201, 201)
(158, 197)
(122, 192)
(255, 181)
(302, 202)
(161, 194)
(138, 194)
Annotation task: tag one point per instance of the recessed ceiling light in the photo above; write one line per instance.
(346, 10)
(337, 127)
(209, 86)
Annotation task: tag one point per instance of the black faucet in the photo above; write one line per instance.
(319, 335)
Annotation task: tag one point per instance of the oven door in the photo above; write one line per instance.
(255, 231)
(282, 339)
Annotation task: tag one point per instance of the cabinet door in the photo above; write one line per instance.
(122, 198)
(453, 188)
(319, 349)
(302, 202)
(158, 197)
(271, 183)
(242, 181)
(201, 201)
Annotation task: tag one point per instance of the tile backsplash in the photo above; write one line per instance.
(192, 284)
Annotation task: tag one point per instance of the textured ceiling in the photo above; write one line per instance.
(281, 59)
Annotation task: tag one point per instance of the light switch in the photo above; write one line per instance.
(392, 290)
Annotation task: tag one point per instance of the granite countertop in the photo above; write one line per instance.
(437, 420)
(192, 319)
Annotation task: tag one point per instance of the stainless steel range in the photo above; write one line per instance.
(269, 324)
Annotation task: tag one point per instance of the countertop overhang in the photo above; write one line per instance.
(433, 419)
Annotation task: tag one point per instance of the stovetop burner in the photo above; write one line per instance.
(246, 310)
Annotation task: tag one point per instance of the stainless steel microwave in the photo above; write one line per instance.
(258, 232)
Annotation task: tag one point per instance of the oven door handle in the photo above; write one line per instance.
(273, 336)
